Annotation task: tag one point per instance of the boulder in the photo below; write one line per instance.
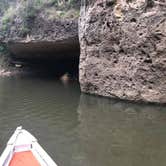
(123, 49)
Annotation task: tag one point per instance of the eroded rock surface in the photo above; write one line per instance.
(123, 49)
(34, 29)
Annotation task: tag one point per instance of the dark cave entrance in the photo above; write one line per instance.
(47, 58)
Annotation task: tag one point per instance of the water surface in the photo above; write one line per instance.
(82, 130)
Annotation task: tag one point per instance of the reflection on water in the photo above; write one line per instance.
(119, 133)
(82, 131)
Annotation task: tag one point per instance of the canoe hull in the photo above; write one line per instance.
(23, 146)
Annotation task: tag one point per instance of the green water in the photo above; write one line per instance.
(82, 130)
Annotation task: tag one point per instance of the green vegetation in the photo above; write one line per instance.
(64, 3)
(20, 17)
(69, 14)
(3, 5)
(24, 30)
(7, 17)
(2, 48)
(4, 59)
(60, 4)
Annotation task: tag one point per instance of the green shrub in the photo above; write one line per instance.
(7, 17)
(31, 12)
(24, 31)
(3, 49)
(4, 27)
(5, 20)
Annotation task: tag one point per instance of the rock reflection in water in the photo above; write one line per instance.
(86, 131)
(119, 133)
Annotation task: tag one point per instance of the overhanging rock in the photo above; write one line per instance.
(61, 49)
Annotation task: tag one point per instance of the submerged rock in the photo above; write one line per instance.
(123, 49)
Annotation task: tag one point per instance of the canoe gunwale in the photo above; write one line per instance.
(39, 153)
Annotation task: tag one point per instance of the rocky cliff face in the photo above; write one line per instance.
(24, 24)
(38, 20)
(123, 49)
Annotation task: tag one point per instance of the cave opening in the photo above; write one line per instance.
(47, 58)
(49, 67)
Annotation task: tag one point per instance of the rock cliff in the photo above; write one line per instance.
(123, 49)
(47, 26)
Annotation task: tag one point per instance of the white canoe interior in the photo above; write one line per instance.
(23, 150)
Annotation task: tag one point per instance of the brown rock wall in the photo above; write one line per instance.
(123, 49)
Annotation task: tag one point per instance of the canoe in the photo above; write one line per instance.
(23, 149)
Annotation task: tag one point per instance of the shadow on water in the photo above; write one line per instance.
(119, 133)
